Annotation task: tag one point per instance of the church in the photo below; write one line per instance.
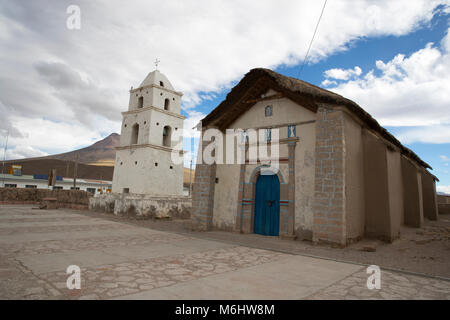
(148, 138)
(340, 176)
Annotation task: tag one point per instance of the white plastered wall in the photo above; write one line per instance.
(136, 169)
(285, 112)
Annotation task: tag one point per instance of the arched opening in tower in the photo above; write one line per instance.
(135, 134)
(166, 104)
(167, 131)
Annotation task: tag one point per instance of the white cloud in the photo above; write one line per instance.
(435, 134)
(53, 137)
(443, 189)
(328, 83)
(446, 9)
(409, 91)
(445, 160)
(80, 78)
(341, 74)
(20, 152)
(190, 124)
(191, 136)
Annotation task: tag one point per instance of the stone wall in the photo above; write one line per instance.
(203, 193)
(142, 206)
(72, 199)
(329, 207)
(443, 204)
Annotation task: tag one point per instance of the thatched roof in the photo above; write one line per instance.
(258, 81)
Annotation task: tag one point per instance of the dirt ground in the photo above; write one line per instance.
(424, 251)
(132, 260)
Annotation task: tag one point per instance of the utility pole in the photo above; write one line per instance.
(190, 170)
(4, 157)
(67, 169)
(190, 180)
(54, 178)
(75, 171)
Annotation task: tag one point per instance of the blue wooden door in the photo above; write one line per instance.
(267, 205)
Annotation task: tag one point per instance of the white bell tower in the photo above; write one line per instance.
(143, 159)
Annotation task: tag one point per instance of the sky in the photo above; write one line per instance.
(63, 88)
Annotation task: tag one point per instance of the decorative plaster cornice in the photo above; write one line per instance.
(158, 87)
(291, 140)
(156, 109)
(147, 145)
(281, 125)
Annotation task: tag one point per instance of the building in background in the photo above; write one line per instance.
(40, 181)
(15, 170)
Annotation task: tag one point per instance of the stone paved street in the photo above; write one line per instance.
(123, 261)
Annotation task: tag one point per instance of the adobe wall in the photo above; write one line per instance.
(226, 196)
(71, 199)
(412, 194)
(443, 199)
(354, 180)
(377, 210)
(142, 206)
(304, 180)
(395, 186)
(430, 208)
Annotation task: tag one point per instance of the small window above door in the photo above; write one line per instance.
(292, 131)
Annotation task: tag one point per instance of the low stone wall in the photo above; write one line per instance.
(71, 199)
(443, 204)
(142, 206)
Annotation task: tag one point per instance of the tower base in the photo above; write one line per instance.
(142, 206)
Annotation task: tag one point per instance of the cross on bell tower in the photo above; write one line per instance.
(157, 61)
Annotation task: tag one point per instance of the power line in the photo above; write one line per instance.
(312, 40)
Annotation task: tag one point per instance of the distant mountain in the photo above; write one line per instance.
(95, 162)
(100, 153)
